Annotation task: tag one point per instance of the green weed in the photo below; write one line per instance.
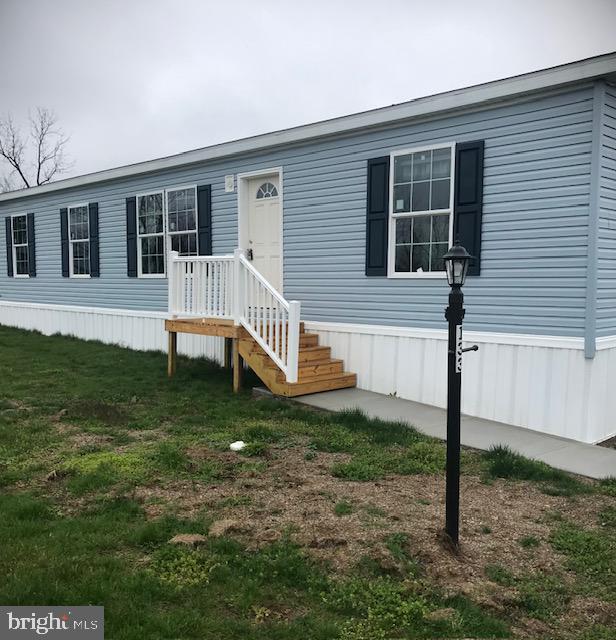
(343, 508)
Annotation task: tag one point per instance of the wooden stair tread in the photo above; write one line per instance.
(312, 363)
(326, 376)
(315, 369)
(314, 353)
(335, 381)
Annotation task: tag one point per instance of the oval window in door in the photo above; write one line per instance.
(267, 190)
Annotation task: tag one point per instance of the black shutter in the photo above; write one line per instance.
(31, 246)
(377, 216)
(9, 247)
(204, 209)
(468, 200)
(131, 237)
(64, 237)
(94, 259)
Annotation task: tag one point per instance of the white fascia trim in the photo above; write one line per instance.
(519, 339)
(77, 309)
(498, 90)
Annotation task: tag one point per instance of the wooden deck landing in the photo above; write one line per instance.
(205, 327)
(318, 371)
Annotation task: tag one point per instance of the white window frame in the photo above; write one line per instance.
(168, 233)
(391, 243)
(14, 246)
(71, 267)
(165, 232)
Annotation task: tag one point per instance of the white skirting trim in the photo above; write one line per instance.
(540, 382)
(139, 330)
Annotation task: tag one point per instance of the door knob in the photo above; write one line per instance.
(249, 254)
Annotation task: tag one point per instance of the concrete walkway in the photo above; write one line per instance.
(575, 457)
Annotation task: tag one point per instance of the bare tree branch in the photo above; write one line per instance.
(12, 147)
(46, 145)
(50, 143)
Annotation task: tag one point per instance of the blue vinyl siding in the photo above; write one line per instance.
(536, 196)
(606, 283)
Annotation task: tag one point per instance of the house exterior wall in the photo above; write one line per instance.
(606, 249)
(536, 195)
(527, 310)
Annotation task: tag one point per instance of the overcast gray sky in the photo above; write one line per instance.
(133, 80)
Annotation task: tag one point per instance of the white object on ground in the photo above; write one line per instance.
(238, 445)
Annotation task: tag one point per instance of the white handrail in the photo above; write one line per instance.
(229, 287)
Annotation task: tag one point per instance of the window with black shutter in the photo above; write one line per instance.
(178, 219)
(20, 246)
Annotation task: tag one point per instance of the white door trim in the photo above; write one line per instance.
(243, 203)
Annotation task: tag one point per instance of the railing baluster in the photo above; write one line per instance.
(196, 282)
(210, 288)
(216, 289)
(223, 269)
(204, 270)
(219, 289)
(249, 289)
(228, 285)
(259, 309)
(269, 319)
(276, 330)
(285, 335)
(185, 287)
(203, 276)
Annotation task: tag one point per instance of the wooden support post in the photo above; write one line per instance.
(172, 353)
(228, 353)
(238, 366)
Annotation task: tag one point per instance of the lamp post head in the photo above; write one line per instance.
(456, 264)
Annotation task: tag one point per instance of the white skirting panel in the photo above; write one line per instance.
(539, 382)
(140, 330)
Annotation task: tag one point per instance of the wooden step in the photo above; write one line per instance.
(308, 340)
(314, 369)
(335, 381)
(306, 354)
(305, 340)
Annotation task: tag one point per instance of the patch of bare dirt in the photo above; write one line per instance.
(81, 440)
(108, 413)
(593, 611)
(301, 495)
(298, 496)
(146, 434)
(9, 405)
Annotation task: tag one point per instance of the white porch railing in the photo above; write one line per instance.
(200, 286)
(229, 287)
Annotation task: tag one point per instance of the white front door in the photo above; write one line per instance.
(265, 228)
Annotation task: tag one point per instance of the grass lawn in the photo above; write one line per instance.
(325, 526)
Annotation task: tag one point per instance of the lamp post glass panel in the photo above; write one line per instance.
(456, 265)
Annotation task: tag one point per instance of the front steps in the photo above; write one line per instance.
(317, 370)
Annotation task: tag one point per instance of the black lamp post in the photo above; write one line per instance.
(456, 265)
